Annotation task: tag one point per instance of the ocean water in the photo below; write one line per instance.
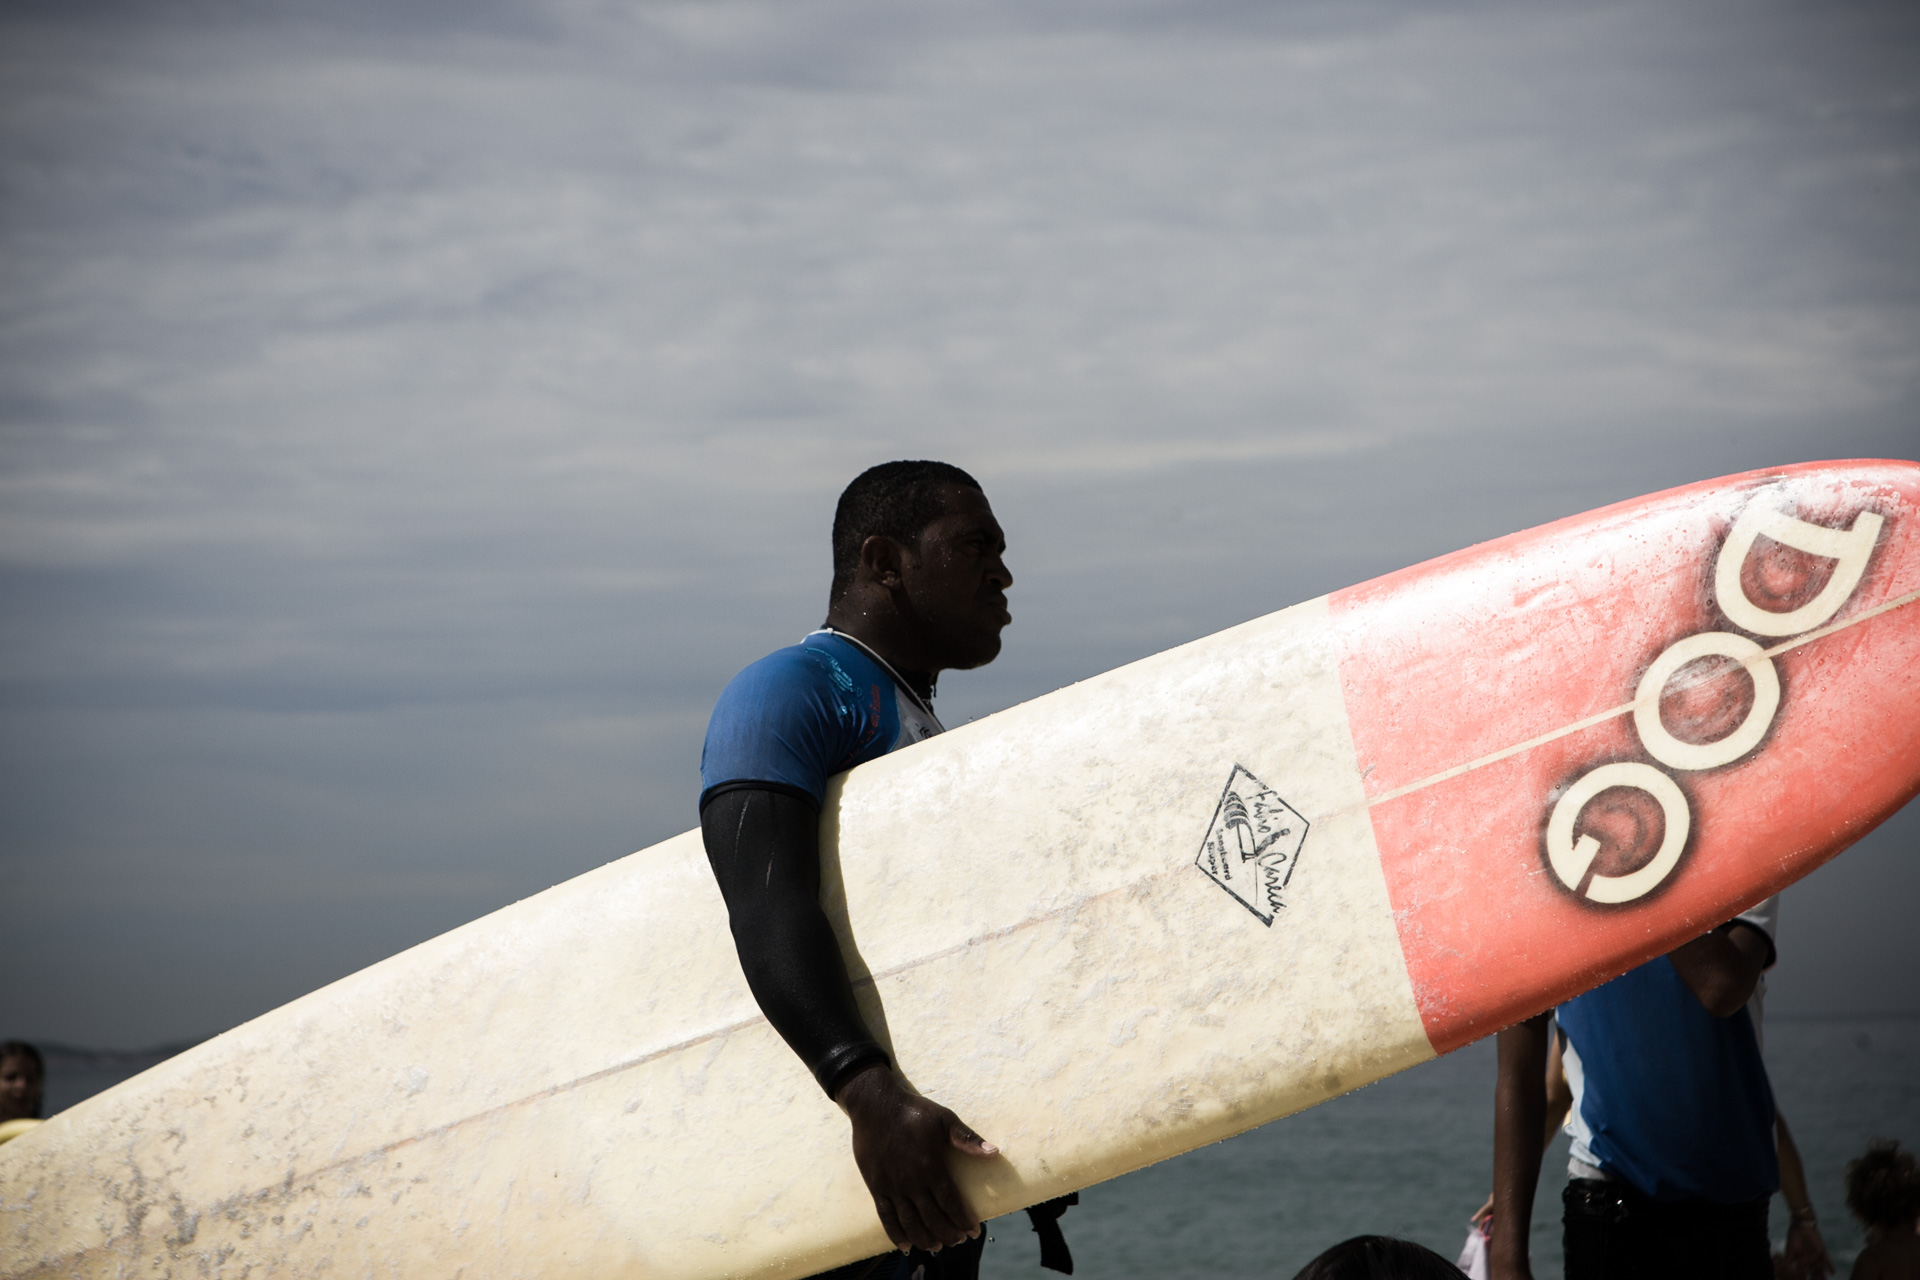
(1411, 1156)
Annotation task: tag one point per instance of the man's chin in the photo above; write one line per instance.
(977, 654)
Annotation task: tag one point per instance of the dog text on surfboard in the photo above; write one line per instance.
(1635, 791)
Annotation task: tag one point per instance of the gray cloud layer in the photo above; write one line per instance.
(411, 420)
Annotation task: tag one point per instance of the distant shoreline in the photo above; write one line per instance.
(1890, 1016)
(68, 1057)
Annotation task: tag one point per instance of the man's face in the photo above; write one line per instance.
(956, 582)
(19, 1088)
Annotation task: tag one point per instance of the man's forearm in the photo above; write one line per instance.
(793, 966)
(764, 848)
(1519, 1119)
(1559, 1092)
(1806, 1251)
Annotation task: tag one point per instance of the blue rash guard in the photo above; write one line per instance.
(802, 714)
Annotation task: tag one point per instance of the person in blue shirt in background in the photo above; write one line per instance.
(1673, 1161)
(919, 587)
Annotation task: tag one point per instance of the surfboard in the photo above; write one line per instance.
(1139, 914)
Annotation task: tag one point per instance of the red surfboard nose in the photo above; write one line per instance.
(1588, 742)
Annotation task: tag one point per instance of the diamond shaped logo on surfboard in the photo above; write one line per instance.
(1253, 844)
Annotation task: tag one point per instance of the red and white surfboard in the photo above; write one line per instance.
(1587, 741)
(1139, 914)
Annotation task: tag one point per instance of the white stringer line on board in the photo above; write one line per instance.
(1600, 717)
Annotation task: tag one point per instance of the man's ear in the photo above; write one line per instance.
(880, 561)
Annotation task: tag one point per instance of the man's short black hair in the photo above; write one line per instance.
(895, 500)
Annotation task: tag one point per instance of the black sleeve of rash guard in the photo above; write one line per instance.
(765, 851)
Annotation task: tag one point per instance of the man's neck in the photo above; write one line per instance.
(888, 648)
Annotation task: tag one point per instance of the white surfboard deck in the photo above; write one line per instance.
(582, 1084)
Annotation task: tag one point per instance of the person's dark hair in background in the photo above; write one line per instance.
(895, 500)
(1883, 1186)
(1379, 1258)
(23, 1081)
(1883, 1190)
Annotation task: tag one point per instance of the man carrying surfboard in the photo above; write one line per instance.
(919, 586)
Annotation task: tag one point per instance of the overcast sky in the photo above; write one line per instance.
(411, 420)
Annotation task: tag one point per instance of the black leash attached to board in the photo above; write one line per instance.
(1045, 1216)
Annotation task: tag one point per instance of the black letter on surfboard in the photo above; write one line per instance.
(1253, 844)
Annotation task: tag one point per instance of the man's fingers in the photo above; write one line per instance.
(890, 1223)
(968, 1141)
(917, 1232)
(947, 1227)
(927, 1211)
(954, 1205)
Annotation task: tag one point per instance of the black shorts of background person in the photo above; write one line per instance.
(1610, 1226)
